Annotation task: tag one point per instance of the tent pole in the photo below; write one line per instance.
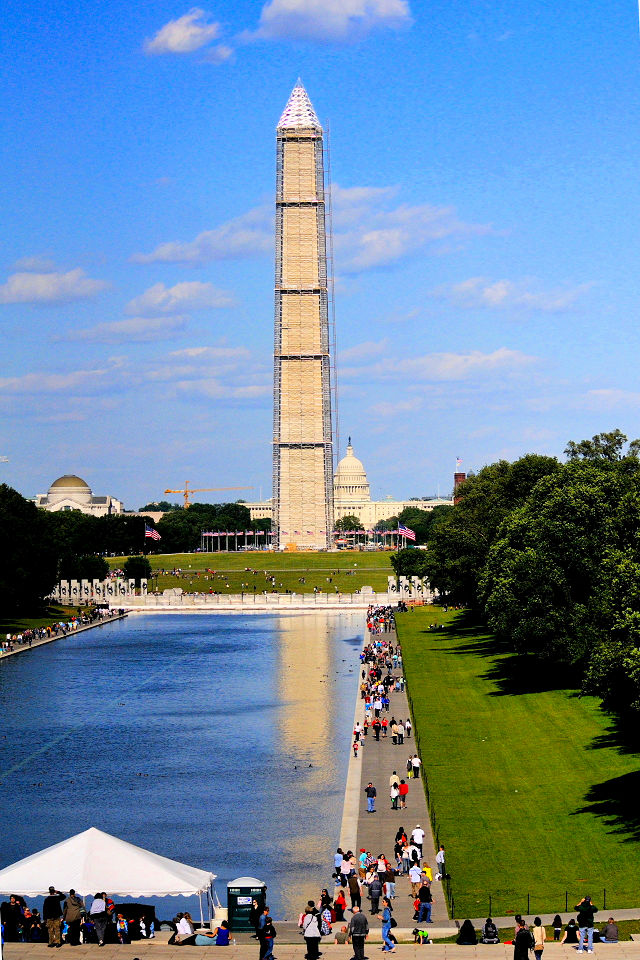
(200, 901)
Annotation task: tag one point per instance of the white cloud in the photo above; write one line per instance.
(219, 54)
(184, 35)
(370, 232)
(392, 409)
(188, 295)
(49, 287)
(35, 264)
(503, 294)
(131, 330)
(363, 351)
(445, 366)
(248, 235)
(338, 20)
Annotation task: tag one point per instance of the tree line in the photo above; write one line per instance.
(548, 554)
(38, 548)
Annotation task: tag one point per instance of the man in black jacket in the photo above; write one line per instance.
(52, 915)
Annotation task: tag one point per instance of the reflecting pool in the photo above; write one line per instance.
(219, 740)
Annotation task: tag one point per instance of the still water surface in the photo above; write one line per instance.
(219, 740)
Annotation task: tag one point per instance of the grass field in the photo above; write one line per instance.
(534, 788)
(347, 570)
(39, 618)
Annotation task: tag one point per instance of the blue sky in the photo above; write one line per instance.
(485, 198)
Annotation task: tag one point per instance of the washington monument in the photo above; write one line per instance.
(302, 421)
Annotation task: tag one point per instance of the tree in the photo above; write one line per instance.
(137, 568)
(28, 561)
(157, 505)
(421, 521)
(459, 543)
(88, 567)
(603, 446)
(409, 563)
(348, 523)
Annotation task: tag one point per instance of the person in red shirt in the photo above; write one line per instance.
(403, 790)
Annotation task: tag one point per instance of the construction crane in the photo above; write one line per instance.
(186, 493)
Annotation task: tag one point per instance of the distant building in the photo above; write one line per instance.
(352, 497)
(73, 493)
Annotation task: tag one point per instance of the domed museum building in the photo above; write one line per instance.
(73, 493)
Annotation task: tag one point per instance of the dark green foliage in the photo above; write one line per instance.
(549, 554)
(137, 568)
(349, 522)
(409, 563)
(83, 568)
(180, 530)
(422, 521)
(459, 544)
(28, 561)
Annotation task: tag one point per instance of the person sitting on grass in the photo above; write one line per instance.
(467, 936)
(609, 933)
(490, 932)
(570, 932)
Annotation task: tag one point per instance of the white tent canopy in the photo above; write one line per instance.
(94, 860)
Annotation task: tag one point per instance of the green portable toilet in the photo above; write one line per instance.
(240, 895)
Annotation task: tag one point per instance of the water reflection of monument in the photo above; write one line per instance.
(315, 668)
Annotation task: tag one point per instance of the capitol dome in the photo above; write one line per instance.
(350, 482)
(69, 486)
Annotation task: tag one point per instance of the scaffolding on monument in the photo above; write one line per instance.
(304, 343)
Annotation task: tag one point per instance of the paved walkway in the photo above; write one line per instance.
(156, 949)
(376, 832)
(25, 647)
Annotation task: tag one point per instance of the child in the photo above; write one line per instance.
(356, 747)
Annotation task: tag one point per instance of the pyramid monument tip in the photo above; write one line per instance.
(299, 111)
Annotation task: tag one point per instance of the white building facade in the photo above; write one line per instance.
(352, 497)
(72, 493)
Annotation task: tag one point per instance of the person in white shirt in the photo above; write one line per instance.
(440, 861)
(418, 837)
(415, 876)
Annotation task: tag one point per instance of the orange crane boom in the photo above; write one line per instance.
(186, 493)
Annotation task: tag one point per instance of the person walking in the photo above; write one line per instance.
(417, 838)
(371, 794)
(72, 914)
(539, 937)
(403, 790)
(395, 795)
(385, 916)
(415, 875)
(311, 933)
(355, 891)
(358, 933)
(586, 911)
(99, 917)
(416, 763)
(522, 942)
(375, 892)
(440, 857)
(52, 916)
(426, 900)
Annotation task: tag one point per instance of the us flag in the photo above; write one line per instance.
(406, 532)
(150, 532)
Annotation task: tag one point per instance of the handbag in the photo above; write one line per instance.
(393, 922)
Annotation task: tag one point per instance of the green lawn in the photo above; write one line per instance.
(534, 788)
(39, 618)
(347, 570)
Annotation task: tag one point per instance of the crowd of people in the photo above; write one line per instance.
(65, 919)
(27, 637)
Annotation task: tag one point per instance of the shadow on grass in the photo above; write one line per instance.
(622, 734)
(512, 674)
(615, 801)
